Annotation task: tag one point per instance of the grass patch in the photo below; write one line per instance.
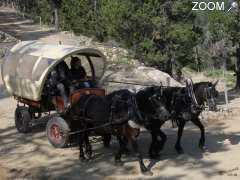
(188, 70)
(218, 74)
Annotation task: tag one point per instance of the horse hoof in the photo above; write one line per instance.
(154, 156)
(203, 148)
(119, 163)
(147, 173)
(107, 145)
(127, 151)
(89, 157)
(83, 159)
(180, 151)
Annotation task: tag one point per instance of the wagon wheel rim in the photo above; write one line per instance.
(56, 133)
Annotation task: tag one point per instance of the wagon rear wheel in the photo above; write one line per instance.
(22, 119)
(58, 132)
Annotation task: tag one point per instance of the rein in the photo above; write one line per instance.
(136, 108)
(189, 84)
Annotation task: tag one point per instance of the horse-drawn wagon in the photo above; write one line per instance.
(27, 73)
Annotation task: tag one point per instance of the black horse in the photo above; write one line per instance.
(181, 106)
(112, 114)
(152, 107)
(184, 106)
(84, 118)
(204, 92)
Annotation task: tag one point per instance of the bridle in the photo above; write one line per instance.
(154, 100)
(209, 96)
(130, 103)
(194, 103)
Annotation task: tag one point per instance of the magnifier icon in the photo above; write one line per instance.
(233, 5)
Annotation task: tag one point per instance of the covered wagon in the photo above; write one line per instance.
(25, 72)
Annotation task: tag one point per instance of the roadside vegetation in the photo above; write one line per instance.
(158, 33)
(227, 76)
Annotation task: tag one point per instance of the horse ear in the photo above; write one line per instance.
(215, 83)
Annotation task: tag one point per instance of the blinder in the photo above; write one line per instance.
(210, 99)
(158, 103)
(128, 105)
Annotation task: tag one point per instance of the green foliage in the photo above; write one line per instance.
(218, 74)
(221, 32)
(35, 9)
(156, 31)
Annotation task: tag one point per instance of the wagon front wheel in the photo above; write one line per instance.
(22, 119)
(58, 132)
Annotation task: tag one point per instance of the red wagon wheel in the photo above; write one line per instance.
(55, 133)
(58, 132)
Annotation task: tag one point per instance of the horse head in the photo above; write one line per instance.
(122, 105)
(211, 95)
(206, 92)
(159, 102)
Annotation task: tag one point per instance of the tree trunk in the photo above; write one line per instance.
(56, 22)
(95, 6)
(169, 67)
(238, 68)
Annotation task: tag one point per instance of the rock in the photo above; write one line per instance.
(6, 43)
(135, 78)
(4, 38)
(157, 76)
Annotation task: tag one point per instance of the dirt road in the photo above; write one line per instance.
(29, 156)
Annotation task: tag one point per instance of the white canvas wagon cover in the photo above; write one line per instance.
(25, 68)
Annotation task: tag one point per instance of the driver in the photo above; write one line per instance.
(77, 71)
(78, 75)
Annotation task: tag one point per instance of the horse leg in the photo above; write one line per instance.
(106, 140)
(163, 139)
(118, 156)
(143, 168)
(88, 146)
(156, 145)
(153, 153)
(125, 148)
(198, 123)
(81, 151)
(178, 146)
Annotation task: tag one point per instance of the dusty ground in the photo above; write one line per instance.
(29, 156)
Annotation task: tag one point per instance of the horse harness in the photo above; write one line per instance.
(111, 123)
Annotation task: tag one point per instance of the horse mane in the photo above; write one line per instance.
(206, 83)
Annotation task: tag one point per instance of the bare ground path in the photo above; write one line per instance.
(20, 28)
(30, 156)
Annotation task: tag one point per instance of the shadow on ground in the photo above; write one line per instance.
(63, 163)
